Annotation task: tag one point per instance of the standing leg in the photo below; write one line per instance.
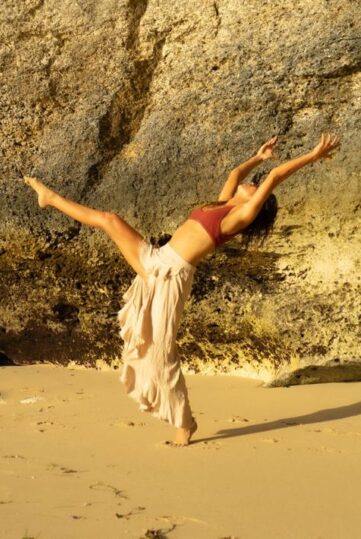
(124, 236)
(183, 434)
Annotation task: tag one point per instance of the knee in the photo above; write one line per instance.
(108, 219)
(275, 175)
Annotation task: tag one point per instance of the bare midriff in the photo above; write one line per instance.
(192, 242)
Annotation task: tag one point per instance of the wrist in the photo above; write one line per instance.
(312, 156)
(257, 159)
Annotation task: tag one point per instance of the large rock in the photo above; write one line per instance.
(142, 107)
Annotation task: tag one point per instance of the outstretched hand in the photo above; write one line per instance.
(324, 149)
(266, 150)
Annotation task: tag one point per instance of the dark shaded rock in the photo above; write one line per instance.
(332, 371)
(5, 361)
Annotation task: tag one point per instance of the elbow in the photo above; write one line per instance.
(275, 176)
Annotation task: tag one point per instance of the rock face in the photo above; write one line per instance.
(142, 107)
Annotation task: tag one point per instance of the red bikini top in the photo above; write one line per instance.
(211, 222)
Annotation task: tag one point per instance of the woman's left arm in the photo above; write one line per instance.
(239, 173)
(249, 211)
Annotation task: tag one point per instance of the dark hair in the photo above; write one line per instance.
(161, 240)
(262, 225)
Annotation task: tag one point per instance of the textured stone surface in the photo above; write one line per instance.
(142, 107)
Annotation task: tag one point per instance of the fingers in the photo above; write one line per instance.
(329, 139)
(327, 144)
(332, 142)
(272, 141)
(335, 141)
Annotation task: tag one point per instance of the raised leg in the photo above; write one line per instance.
(124, 236)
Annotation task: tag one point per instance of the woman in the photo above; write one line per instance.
(154, 302)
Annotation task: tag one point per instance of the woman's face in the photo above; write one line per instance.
(245, 192)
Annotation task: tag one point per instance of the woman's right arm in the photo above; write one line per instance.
(239, 173)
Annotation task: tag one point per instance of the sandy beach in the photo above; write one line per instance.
(79, 460)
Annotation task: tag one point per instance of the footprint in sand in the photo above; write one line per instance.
(193, 444)
(234, 419)
(328, 430)
(31, 400)
(130, 513)
(211, 445)
(330, 449)
(108, 488)
(270, 440)
(63, 469)
(239, 419)
(127, 424)
(45, 409)
(44, 423)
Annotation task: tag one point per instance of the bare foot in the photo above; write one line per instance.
(183, 436)
(44, 193)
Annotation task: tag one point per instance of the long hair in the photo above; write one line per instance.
(261, 226)
(160, 240)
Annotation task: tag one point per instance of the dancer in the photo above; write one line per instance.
(154, 302)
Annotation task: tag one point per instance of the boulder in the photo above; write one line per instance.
(142, 107)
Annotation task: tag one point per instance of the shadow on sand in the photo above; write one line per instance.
(330, 414)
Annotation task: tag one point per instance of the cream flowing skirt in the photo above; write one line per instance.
(149, 322)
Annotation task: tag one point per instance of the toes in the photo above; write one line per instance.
(29, 180)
